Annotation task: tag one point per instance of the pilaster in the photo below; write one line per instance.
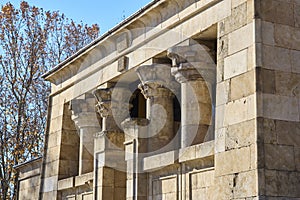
(85, 118)
(110, 167)
(158, 87)
(194, 69)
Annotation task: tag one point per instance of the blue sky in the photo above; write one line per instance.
(106, 13)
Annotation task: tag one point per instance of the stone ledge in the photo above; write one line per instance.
(77, 181)
(159, 161)
(84, 179)
(191, 153)
(65, 183)
(198, 151)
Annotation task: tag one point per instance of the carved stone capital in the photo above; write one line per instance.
(83, 111)
(185, 72)
(156, 80)
(192, 62)
(113, 102)
(190, 53)
(103, 97)
(154, 90)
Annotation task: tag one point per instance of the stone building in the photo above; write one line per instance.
(185, 99)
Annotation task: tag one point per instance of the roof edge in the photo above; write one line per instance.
(101, 38)
(27, 162)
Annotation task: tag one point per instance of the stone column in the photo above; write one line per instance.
(194, 68)
(110, 175)
(85, 118)
(156, 86)
(135, 149)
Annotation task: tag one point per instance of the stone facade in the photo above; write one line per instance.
(184, 100)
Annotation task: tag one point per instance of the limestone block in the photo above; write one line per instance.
(51, 168)
(235, 3)
(266, 131)
(276, 58)
(220, 71)
(65, 183)
(240, 110)
(245, 184)
(106, 193)
(220, 120)
(241, 38)
(67, 168)
(50, 184)
(53, 154)
(222, 50)
(284, 157)
(56, 124)
(256, 156)
(240, 135)
(202, 150)
(295, 55)
(267, 33)
(222, 189)
(220, 140)
(286, 107)
(251, 13)
(297, 15)
(160, 160)
(205, 149)
(265, 80)
(287, 84)
(202, 179)
(120, 176)
(235, 64)
(119, 193)
(233, 161)
(188, 153)
(83, 179)
(57, 110)
(276, 11)
(169, 185)
(237, 19)
(282, 183)
(87, 196)
(288, 133)
(222, 92)
(287, 36)
(242, 85)
(297, 158)
(198, 193)
(105, 177)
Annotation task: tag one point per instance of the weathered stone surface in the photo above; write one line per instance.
(281, 183)
(233, 161)
(237, 19)
(240, 135)
(295, 55)
(275, 11)
(267, 33)
(288, 84)
(247, 33)
(276, 58)
(286, 107)
(222, 92)
(286, 162)
(288, 133)
(240, 110)
(244, 184)
(235, 64)
(242, 86)
(265, 80)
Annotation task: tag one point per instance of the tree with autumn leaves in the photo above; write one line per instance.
(31, 42)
